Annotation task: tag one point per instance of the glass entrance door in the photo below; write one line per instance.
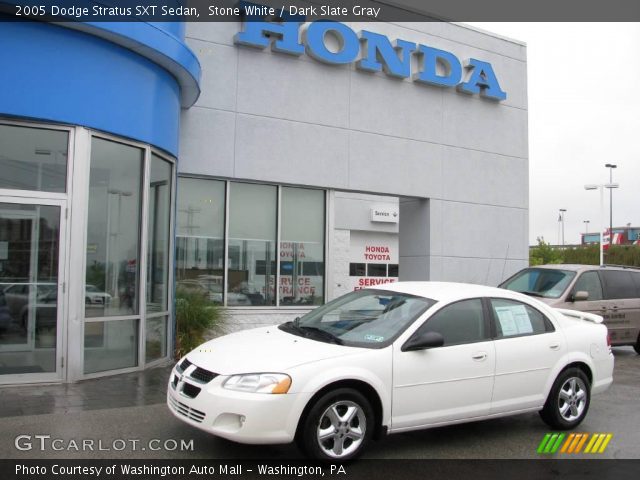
(31, 289)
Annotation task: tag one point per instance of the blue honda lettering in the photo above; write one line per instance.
(437, 67)
(396, 58)
(429, 74)
(483, 81)
(255, 33)
(349, 43)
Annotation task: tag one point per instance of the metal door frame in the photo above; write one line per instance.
(40, 198)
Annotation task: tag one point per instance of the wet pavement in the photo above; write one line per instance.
(147, 387)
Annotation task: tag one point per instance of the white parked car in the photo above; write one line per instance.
(412, 355)
(94, 296)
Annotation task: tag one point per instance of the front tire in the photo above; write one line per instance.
(338, 427)
(568, 401)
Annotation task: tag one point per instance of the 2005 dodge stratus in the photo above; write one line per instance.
(412, 355)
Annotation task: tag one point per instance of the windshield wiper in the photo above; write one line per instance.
(317, 332)
(532, 294)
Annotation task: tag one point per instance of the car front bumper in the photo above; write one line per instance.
(253, 418)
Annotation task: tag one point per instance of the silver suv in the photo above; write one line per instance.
(610, 291)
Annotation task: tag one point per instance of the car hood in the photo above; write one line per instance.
(266, 349)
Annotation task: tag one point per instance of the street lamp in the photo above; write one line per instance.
(610, 166)
(562, 211)
(601, 188)
(586, 225)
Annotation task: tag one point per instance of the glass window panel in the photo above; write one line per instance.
(110, 345)
(460, 322)
(158, 236)
(393, 269)
(113, 227)
(302, 247)
(33, 158)
(377, 269)
(358, 269)
(200, 240)
(589, 282)
(156, 338)
(514, 318)
(29, 248)
(252, 241)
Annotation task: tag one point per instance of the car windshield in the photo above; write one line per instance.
(365, 318)
(540, 282)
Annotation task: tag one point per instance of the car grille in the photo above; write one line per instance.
(186, 411)
(183, 366)
(203, 376)
(190, 391)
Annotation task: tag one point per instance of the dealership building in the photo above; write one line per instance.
(269, 167)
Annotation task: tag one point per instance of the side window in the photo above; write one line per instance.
(636, 280)
(619, 284)
(461, 322)
(515, 319)
(589, 282)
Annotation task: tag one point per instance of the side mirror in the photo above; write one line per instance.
(423, 342)
(580, 296)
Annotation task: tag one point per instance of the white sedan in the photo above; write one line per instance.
(412, 355)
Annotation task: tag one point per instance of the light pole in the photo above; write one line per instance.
(586, 225)
(601, 188)
(116, 248)
(610, 166)
(562, 212)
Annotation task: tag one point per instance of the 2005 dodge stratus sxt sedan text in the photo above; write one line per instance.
(412, 355)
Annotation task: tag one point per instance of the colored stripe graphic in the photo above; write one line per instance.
(543, 443)
(597, 443)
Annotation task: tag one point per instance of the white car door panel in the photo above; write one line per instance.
(442, 384)
(527, 350)
(450, 382)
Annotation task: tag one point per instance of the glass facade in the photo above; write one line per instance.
(252, 244)
(113, 229)
(200, 237)
(275, 237)
(33, 158)
(116, 265)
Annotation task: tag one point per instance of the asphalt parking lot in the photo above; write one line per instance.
(125, 418)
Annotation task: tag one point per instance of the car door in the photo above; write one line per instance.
(587, 282)
(527, 349)
(623, 306)
(446, 383)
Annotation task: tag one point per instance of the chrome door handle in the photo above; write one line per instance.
(555, 346)
(479, 356)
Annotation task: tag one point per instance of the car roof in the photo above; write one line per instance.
(448, 291)
(582, 268)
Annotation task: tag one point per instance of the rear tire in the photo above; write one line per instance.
(338, 427)
(568, 401)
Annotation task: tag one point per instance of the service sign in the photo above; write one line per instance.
(385, 214)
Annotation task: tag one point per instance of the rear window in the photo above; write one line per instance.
(540, 282)
(619, 284)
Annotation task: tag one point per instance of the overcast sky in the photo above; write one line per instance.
(584, 111)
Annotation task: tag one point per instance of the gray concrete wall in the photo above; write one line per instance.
(277, 118)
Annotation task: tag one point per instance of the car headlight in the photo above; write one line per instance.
(259, 383)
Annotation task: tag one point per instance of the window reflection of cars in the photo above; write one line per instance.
(94, 296)
(17, 298)
(213, 292)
